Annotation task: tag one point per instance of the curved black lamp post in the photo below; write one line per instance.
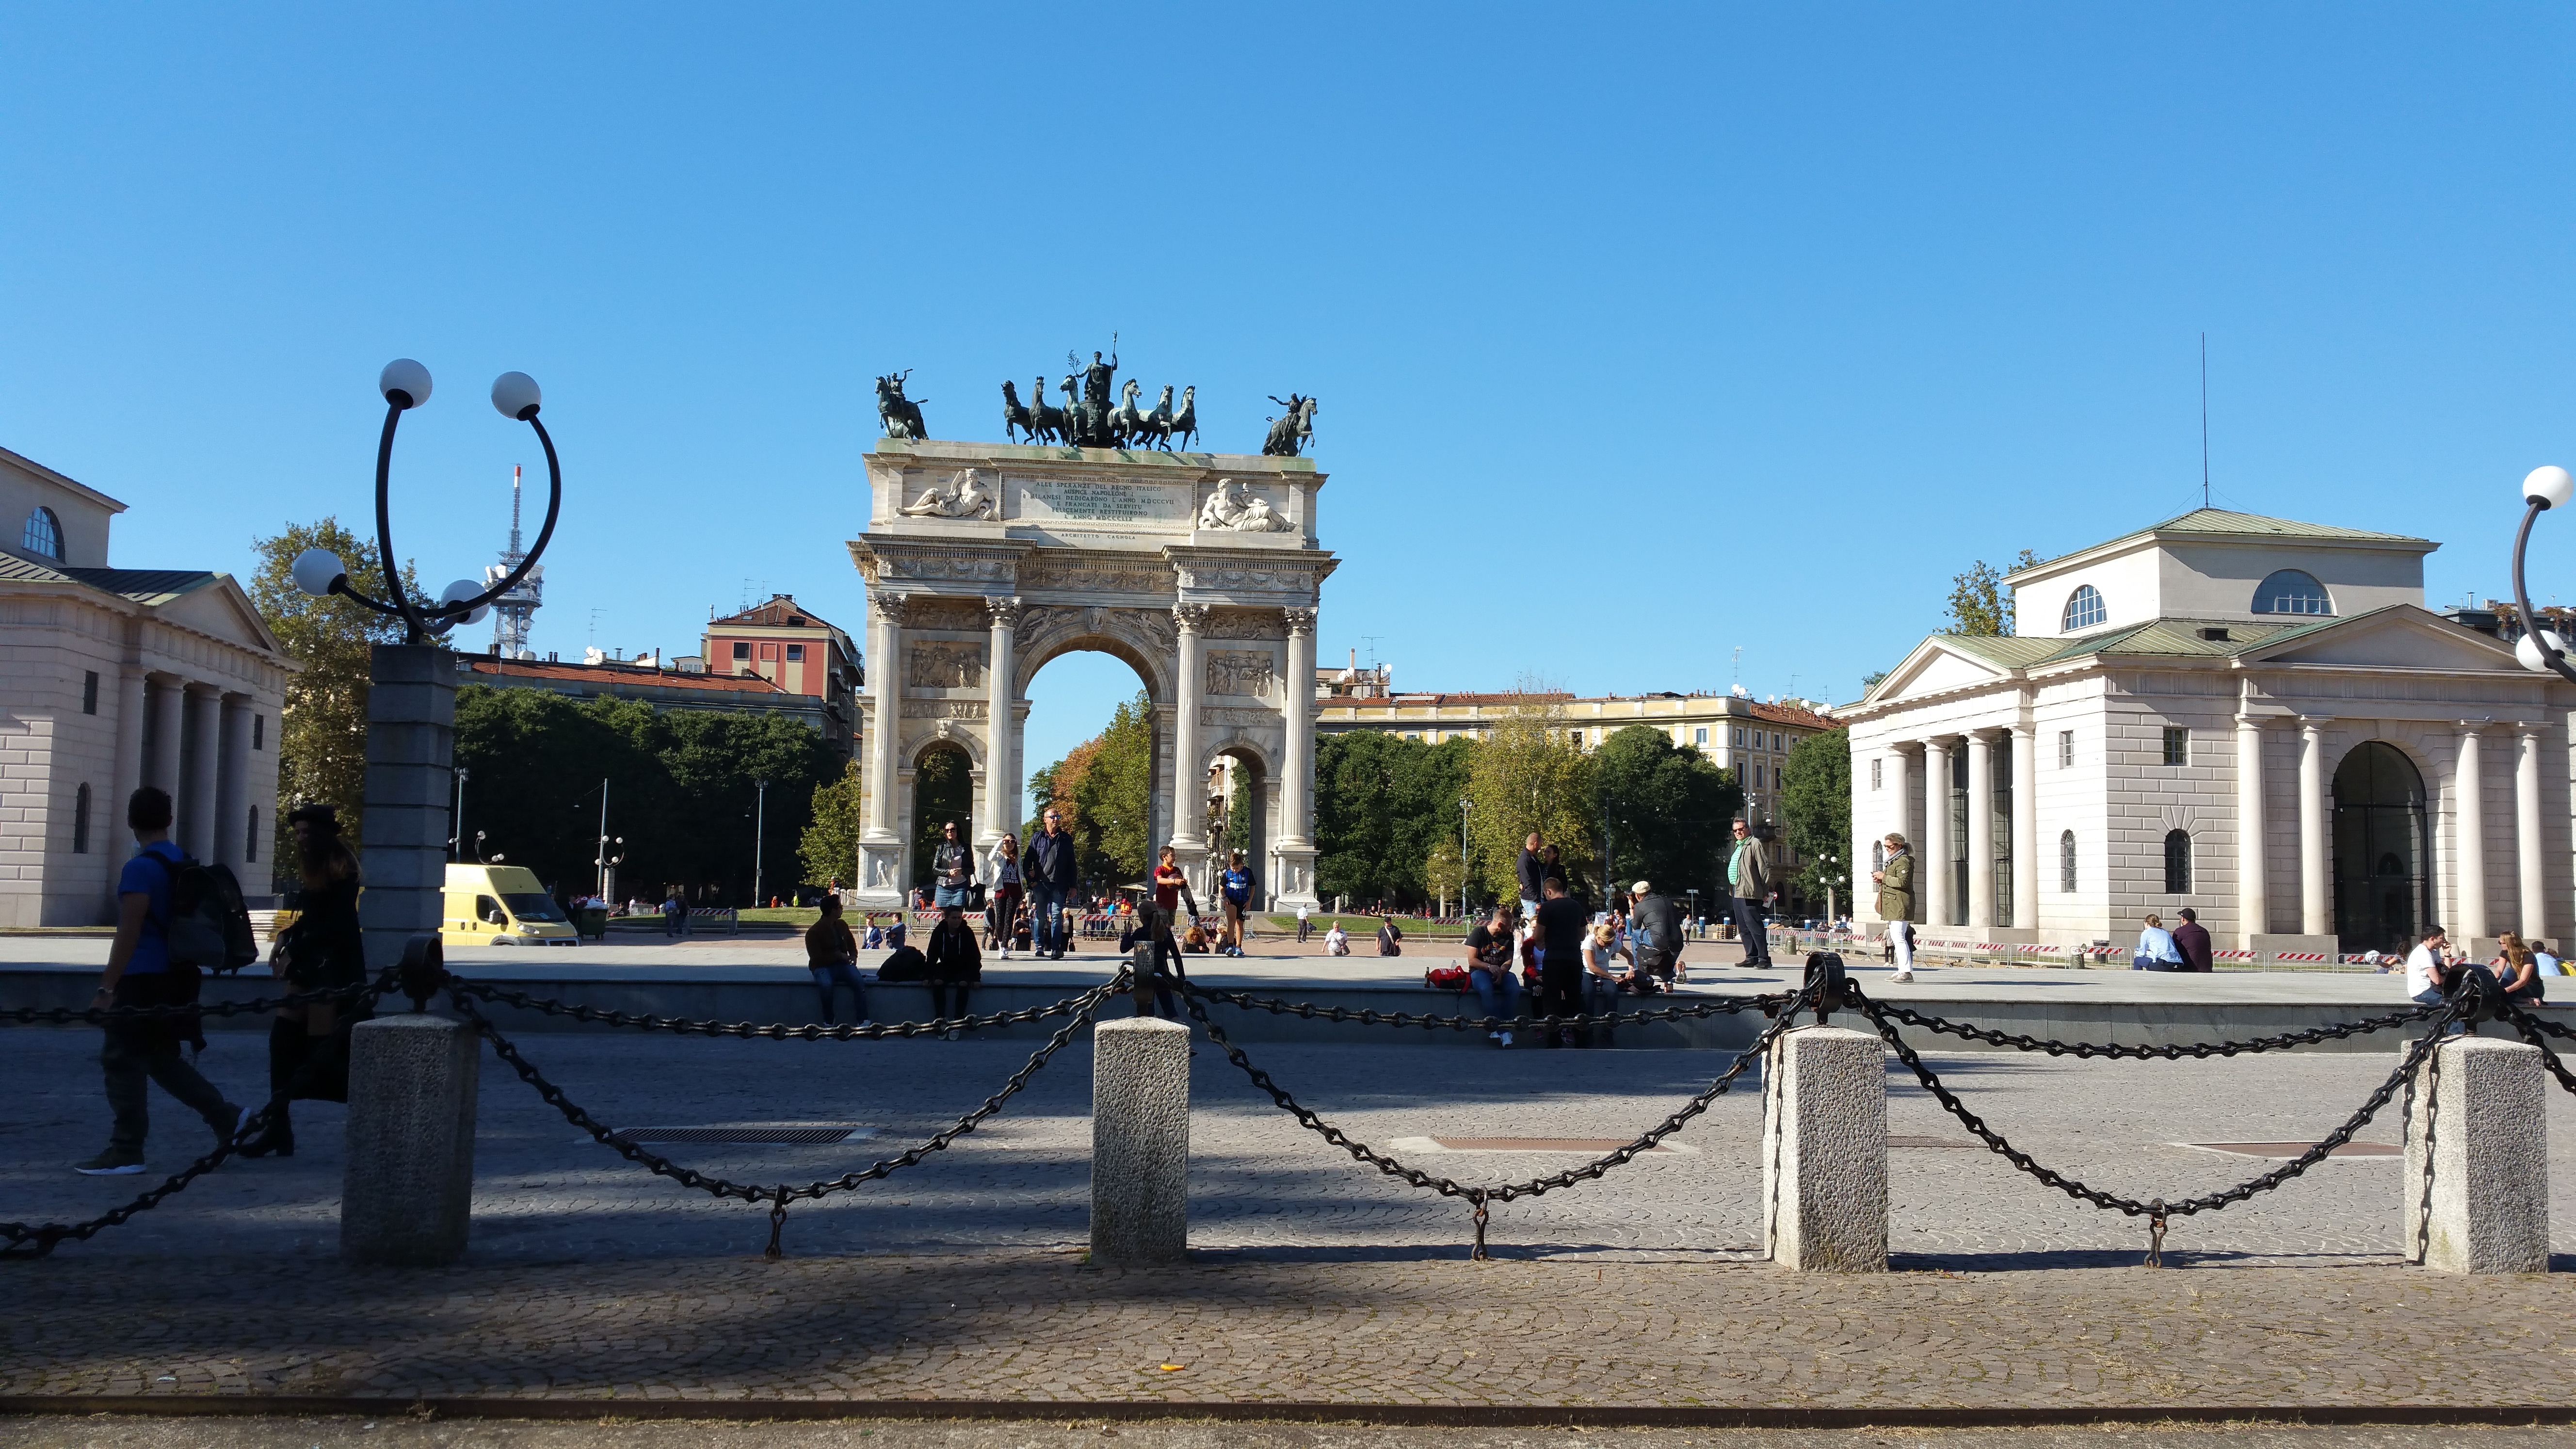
(321, 573)
(2539, 650)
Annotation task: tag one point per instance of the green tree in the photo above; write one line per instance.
(1530, 775)
(1104, 788)
(1382, 803)
(829, 847)
(1979, 602)
(1815, 809)
(1444, 873)
(322, 732)
(1668, 808)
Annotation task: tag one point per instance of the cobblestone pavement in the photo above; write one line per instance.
(1313, 1279)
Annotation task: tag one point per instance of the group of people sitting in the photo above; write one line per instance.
(2433, 968)
(1571, 961)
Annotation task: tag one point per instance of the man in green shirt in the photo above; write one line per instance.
(1748, 881)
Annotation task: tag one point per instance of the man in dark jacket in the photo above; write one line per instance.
(2191, 938)
(1532, 870)
(1655, 933)
(1048, 869)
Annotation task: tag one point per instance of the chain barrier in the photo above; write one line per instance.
(37, 1240)
(1481, 1195)
(101, 1015)
(2533, 1027)
(2198, 1051)
(781, 1195)
(775, 1031)
(2157, 1209)
(1309, 1011)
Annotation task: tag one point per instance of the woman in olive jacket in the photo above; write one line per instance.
(1896, 903)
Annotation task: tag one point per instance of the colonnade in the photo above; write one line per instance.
(201, 739)
(1934, 850)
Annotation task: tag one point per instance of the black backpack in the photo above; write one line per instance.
(209, 925)
(904, 963)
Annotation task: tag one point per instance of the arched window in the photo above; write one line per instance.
(2084, 609)
(80, 821)
(2066, 862)
(44, 535)
(2177, 863)
(2292, 591)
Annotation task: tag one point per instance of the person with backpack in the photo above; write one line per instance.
(308, 1046)
(140, 972)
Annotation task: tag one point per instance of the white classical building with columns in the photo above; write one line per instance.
(114, 678)
(983, 561)
(2252, 717)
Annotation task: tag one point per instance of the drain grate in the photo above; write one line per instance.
(745, 1132)
(2297, 1149)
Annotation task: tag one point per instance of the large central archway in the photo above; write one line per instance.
(984, 562)
(2383, 850)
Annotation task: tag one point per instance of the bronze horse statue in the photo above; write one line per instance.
(900, 415)
(1185, 423)
(1156, 426)
(1015, 418)
(1047, 423)
(1292, 429)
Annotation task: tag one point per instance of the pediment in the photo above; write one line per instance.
(1935, 668)
(222, 610)
(2401, 637)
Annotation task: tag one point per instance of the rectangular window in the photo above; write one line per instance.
(2177, 745)
(80, 817)
(250, 845)
(1739, 737)
(89, 692)
(1776, 746)
(1413, 734)
(795, 652)
(1700, 736)
(1873, 773)
(1757, 777)
(741, 649)
(259, 733)
(2066, 749)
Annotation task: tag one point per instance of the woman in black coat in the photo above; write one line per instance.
(956, 963)
(308, 1046)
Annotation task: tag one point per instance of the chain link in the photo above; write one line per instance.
(100, 1015)
(1309, 1011)
(37, 1240)
(774, 1031)
(781, 1195)
(2197, 1051)
(1480, 1195)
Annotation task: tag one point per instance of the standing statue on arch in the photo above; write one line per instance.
(900, 415)
(1292, 429)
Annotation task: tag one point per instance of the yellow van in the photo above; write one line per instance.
(501, 905)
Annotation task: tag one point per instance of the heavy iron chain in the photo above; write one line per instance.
(1309, 1011)
(2155, 1210)
(2533, 1027)
(2432, 1116)
(781, 1195)
(100, 1015)
(2197, 1051)
(1479, 1196)
(36, 1240)
(775, 1031)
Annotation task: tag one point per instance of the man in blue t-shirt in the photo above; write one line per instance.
(138, 974)
(1234, 887)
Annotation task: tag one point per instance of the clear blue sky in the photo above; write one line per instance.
(1640, 334)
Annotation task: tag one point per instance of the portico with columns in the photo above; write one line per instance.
(114, 679)
(983, 562)
(2317, 765)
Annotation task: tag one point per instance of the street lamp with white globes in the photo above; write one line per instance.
(2539, 650)
(405, 385)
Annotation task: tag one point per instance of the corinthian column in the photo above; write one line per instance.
(1295, 851)
(1002, 790)
(1189, 787)
(880, 844)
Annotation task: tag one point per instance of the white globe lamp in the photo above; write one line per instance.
(515, 396)
(404, 383)
(316, 570)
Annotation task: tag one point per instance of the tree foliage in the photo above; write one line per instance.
(680, 789)
(829, 847)
(1104, 787)
(1531, 775)
(322, 732)
(1444, 872)
(943, 789)
(1668, 809)
(1815, 808)
(1979, 602)
(1382, 803)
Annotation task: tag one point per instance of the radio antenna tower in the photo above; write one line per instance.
(510, 612)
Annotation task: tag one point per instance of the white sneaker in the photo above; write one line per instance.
(1006, 953)
(1902, 976)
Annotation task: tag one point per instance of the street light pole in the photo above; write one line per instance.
(1464, 805)
(2539, 650)
(603, 838)
(759, 838)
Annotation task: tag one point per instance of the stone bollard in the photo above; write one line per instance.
(1140, 1142)
(1824, 1151)
(408, 1188)
(2490, 1167)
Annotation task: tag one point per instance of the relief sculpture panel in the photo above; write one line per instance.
(944, 665)
(1239, 671)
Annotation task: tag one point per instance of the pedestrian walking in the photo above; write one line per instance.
(1748, 882)
(140, 973)
(1048, 870)
(675, 915)
(1390, 939)
(1002, 891)
(1561, 928)
(953, 963)
(1489, 972)
(1337, 942)
(1305, 921)
(308, 1046)
(1234, 891)
(832, 955)
(2156, 950)
(2191, 939)
(1896, 903)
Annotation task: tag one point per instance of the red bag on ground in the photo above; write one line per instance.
(1446, 978)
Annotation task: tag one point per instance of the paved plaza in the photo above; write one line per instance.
(1313, 1279)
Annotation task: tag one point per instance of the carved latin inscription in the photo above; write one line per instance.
(1090, 500)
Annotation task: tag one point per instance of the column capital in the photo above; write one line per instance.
(891, 608)
(2474, 726)
(1004, 612)
(1300, 622)
(1190, 617)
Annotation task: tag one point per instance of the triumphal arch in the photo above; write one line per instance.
(983, 561)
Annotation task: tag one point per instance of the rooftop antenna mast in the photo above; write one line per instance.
(511, 612)
(2204, 420)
